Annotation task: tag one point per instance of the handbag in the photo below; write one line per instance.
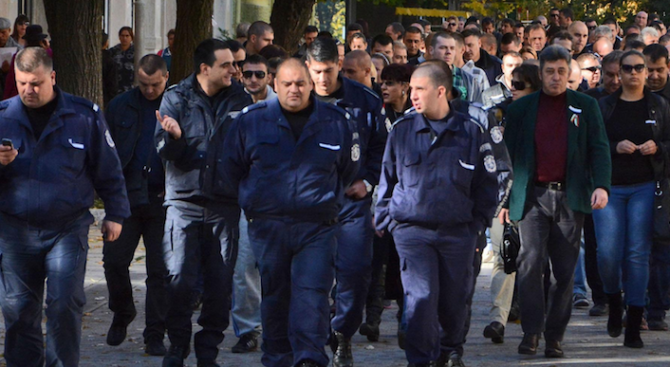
(662, 212)
(510, 246)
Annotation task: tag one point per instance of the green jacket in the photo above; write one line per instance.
(589, 163)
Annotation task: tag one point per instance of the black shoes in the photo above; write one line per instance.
(496, 332)
(579, 301)
(455, 360)
(657, 325)
(553, 349)
(528, 345)
(175, 356)
(370, 330)
(155, 347)
(632, 337)
(615, 321)
(118, 330)
(599, 309)
(342, 356)
(248, 343)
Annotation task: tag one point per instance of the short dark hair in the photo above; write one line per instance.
(171, 32)
(273, 51)
(325, 34)
(508, 21)
(397, 27)
(414, 30)
(257, 59)
(31, 58)
(633, 53)
(509, 38)
(634, 44)
(310, 29)
(589, 20)
(487, 21)
(323, 50)
(382, 39)
(440, 73)
(258, 28)
(234, 45)
(609, 20)
(358, 35)
(563, 35)
(519, 25)
(530, 74)
(664, 40)
(152, 63)
(554, 53)
(567, 12)
(129, 29)
(632, 26)
(204, 52)
(656, 52)
(471, 33)
(354, 27)
(397, 73)
(535, 27)
(613, 57)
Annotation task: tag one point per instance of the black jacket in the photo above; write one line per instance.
(659, 111)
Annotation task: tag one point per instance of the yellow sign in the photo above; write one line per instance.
(436, 13)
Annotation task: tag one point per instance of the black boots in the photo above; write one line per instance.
(342, 356)
(632, 337)
(614, 322)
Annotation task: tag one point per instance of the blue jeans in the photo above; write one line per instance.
(29, 256)
(580, 274)
(624, 234)
(246, 311)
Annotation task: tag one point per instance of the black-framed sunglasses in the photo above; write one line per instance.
(628, 68)
(238, 64)
(258, 73)
(553, 15)
(518, 85)
(591, 28)
(453, 24)
(592, 69)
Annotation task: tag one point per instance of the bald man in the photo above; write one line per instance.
(602, 47)
(641, 19)
(580, 36)
(357, 66)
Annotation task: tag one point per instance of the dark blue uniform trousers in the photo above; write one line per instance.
(146, 221)
(29, 256)
(200, 237)
(437, 275)
(296, 262)
(353, 265)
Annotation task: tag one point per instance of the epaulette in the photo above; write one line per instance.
(371, 92)
(409, 115)
(255, 106)
(339, 110)
(409, 110)
(173, 86)
(85, 102)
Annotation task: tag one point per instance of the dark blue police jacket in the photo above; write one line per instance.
(366, 110)
(275, 176)
(190, 161)
(124, 117)
(52, 181)
(443, 180)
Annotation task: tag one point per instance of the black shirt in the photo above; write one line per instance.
(298, 120)
(333, 97)
(629, 122)
(145, 157)
(39, 117)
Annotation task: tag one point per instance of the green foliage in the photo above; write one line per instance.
(330, 16)
(224, 34)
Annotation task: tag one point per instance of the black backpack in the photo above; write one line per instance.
(510, 246)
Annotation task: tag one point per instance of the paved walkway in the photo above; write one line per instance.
(586, 343)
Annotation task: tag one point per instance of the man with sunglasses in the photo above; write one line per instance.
(255, 78)
(239, 55)
(591, 69)
(554, 14)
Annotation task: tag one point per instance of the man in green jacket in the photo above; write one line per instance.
(561, 162)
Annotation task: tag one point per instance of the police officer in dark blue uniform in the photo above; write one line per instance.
(131, 117)
(354, 241)
(437, 193)
(291, 159)
(56, 152)
(201, 227)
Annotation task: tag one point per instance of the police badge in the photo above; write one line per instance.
(496, 134)
(490, 163)
(356, 153)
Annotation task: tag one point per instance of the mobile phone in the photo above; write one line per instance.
(7, 143)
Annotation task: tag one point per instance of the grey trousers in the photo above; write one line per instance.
(246, 310)
(502, 285)
(549, 229)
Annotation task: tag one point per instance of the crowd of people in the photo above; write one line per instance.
(356, 172)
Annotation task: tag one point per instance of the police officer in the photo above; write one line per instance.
(437, 193)
(354, 241)
(201, 229)
(56, 152)
(131, 117)
(292, 159)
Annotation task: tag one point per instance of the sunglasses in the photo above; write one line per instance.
(591, 28)
(453, 24)
(553, 15)
(258, 73)
(627, 68)
(238, 64)
(592, 69)
(518, 85)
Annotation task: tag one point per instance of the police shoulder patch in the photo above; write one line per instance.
(496, 134)
(255, 106)
(355, 152)
(490, 164)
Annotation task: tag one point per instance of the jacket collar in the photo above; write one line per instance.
(453, 121)
(16, 111)
(312, 126)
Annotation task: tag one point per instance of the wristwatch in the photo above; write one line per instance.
(368, 187)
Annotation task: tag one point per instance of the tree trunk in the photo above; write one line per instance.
(289, 19)
(194, 25)
(74, 26)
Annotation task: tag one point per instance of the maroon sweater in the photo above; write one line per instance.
(551, 138)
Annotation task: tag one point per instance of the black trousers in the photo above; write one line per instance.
(147, 221)
(591, 262)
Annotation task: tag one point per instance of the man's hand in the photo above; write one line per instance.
(170, 125)
(599, 199)
(648, 148)
(626, 147)
(110, 230)
(503, 216)
(357, 190)
(7, 155)
(379, 234)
